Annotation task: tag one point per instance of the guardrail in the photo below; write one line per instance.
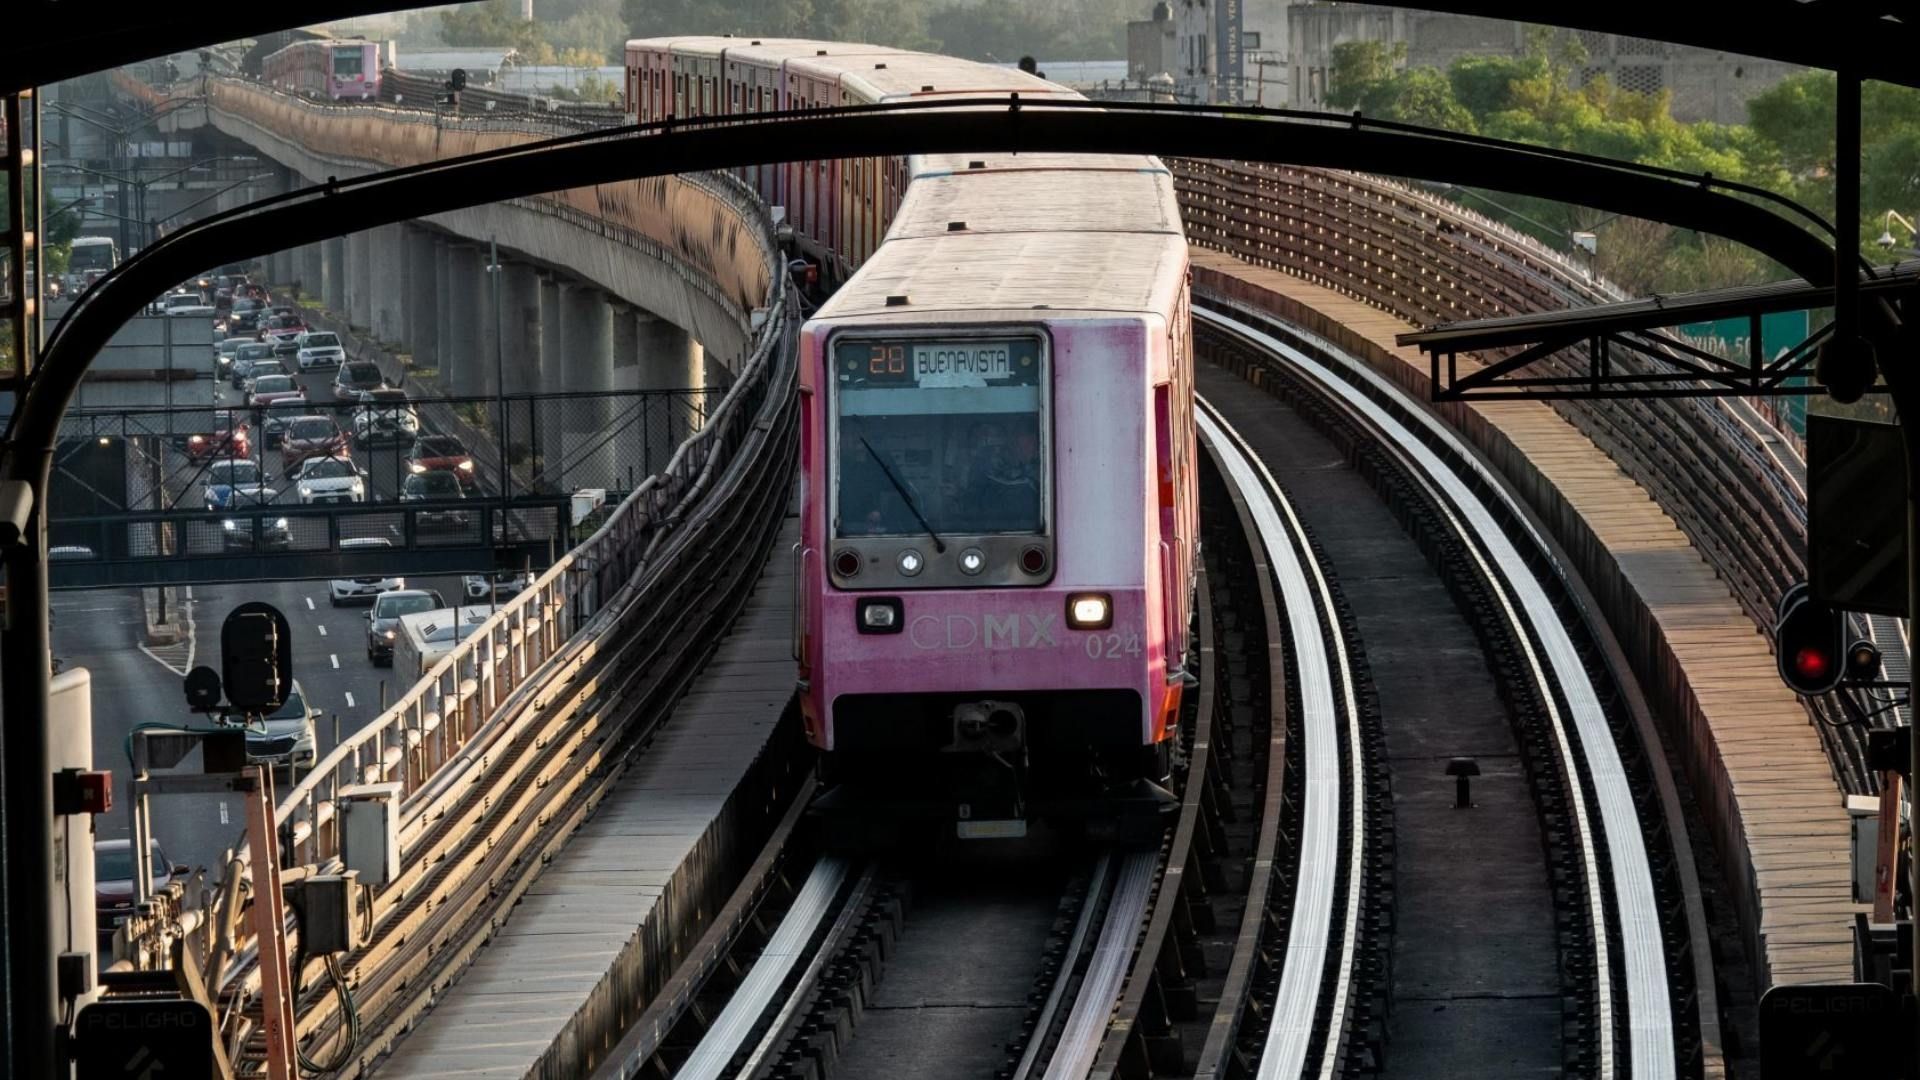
(505, 685)
(1427, 261)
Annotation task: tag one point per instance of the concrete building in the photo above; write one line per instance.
(1706, 85)
(1226, 51)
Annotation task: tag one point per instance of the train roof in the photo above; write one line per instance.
(1036, 274)
(1137, 198)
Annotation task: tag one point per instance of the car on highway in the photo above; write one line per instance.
(274, 389)
(435, 487)
(224, 352)
(383, 619)
(484, 587)
(250, 361)
(309, 437)
(319, 349)
(385, 416)
(442, 453)
(283, 739)
(244, 322)
(283, 330)
(229, 438)
(255, 533)
(321, 481)
(233, 478)
(355, 589)
(185, 303)
(357, 377)
(113, 879)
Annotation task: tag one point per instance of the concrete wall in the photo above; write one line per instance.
(704, 278)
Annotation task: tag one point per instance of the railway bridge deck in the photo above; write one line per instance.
(1755, 765)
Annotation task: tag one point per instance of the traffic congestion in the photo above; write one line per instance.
(298, 422)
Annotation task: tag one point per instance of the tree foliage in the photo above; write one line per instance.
(1787, 146)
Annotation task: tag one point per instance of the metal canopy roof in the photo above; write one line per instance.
(1875, 39)
(1474, 335)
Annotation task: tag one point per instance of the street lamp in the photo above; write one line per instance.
(1886, 239)
(495, 270)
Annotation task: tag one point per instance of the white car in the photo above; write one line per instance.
(385, 415)
(319, 349)
(484, 587)
(322, 480)
(356, 590)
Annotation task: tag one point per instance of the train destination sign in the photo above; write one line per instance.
(963, 362)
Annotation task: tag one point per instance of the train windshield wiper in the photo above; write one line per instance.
(938, 546)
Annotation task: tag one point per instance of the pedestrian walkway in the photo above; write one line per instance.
(607, 900)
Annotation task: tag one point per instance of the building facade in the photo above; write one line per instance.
(1705, 84)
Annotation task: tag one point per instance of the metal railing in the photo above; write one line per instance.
(503, 683)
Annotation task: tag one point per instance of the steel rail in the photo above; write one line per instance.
(1123, 1034)
(1321, 931)
(794, 941)
(1133, 880)
(1585, 740)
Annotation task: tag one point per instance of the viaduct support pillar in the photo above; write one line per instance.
(444, 358)
(462, 366)
(668, 360)
(388, 266)
(333, 287)
(360, 280)
(421, 317)
(520, 361)
(587, 338)
(310, 270)
(550, 474)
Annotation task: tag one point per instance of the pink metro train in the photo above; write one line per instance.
(336, 70)
(999, 516)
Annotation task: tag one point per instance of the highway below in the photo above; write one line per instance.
(103, 631)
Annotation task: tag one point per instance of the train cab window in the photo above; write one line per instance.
(941, 434)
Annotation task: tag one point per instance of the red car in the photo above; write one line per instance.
(269, 390)
(229, 439)
(113, 880)
(282, 329)
(442, 453)
(310, 436)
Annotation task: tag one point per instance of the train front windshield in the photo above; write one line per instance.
(947, 435)
(348, 62)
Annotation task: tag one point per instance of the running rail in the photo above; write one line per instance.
(1320, 932)
(1556, 664)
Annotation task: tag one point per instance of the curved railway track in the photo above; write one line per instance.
(1286, 823)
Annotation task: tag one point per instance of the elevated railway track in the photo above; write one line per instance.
(1637, 1000)
(1303, 981)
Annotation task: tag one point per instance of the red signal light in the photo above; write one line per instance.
(1811, 663)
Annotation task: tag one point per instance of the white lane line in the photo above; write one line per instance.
(336, 660)
(185, 601)
(223, 812)
(323, 631)
(309, 603)
(349, 699)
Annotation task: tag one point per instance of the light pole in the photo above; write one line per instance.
(500, 374)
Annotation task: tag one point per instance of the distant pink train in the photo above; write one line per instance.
(332, 69)
(999, 520)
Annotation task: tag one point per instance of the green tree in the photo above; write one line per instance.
(497, 22)
(1356, 67)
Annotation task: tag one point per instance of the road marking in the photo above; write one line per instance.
(323, 631)
(185, 602)
(223, 812)
(349, 699)
(309, 603)
(336, 660)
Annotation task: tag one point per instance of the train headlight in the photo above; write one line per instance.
(972, 561)
(881, 615)
(910, 562)
(846, 563)
(1089, 611)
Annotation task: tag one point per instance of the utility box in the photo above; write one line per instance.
(1863, 813)
(370, 832)
(330, 914)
